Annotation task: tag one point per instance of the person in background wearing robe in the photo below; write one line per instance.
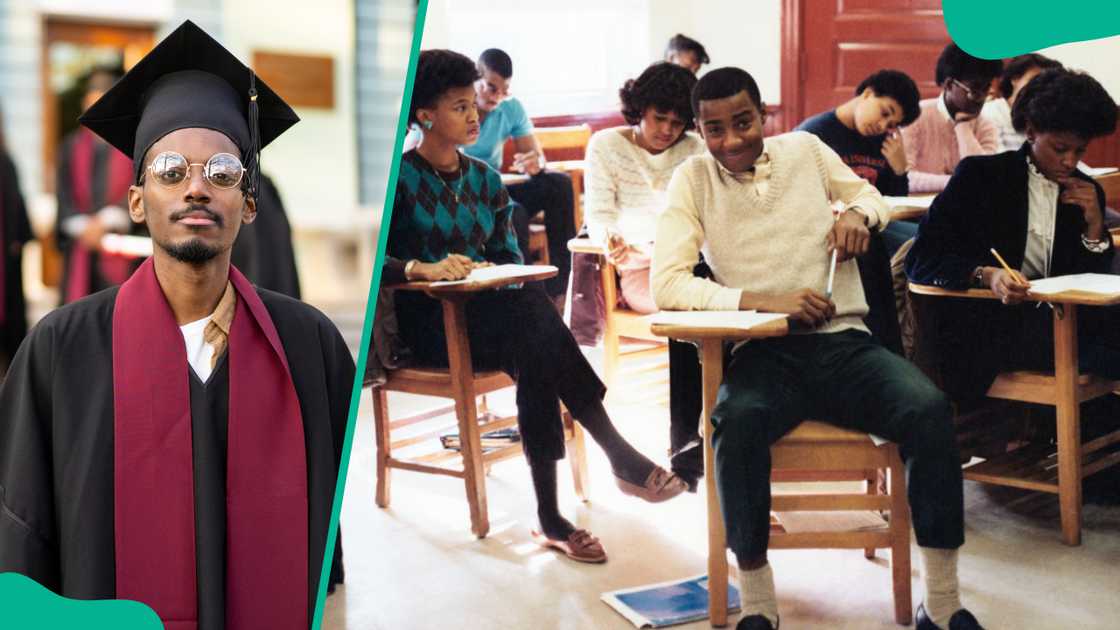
(176, 440)
(15, 232)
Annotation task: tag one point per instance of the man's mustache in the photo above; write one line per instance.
(210, 214)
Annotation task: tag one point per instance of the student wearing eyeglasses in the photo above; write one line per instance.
(950, 127)
(176, 440)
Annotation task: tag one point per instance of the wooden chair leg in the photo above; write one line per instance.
(577, 458)
(900, 541)
(610, 326)
(384, 445)
(871, 487)
(717, 536)
(1069, 424)
(462, 383)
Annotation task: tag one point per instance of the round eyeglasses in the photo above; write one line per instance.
(170, 170)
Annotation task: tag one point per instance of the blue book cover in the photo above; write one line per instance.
(667, 603)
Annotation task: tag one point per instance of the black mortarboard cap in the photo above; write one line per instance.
(190, 80)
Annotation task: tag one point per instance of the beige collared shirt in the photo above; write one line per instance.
(206, 340)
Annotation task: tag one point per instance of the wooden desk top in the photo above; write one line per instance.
(585, 246)
(908, 208)
(777, 328)
(561, 166)
(452, 290)
(1081, 298)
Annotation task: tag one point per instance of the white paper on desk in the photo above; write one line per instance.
(741, 320)
(1088, 282)
(909, 202)
(1096, 171)
(496, 272)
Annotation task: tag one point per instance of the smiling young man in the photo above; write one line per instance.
(950, 127)
(1044, 217)
(176, 440)
(760, 210)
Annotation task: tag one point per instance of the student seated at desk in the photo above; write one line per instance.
(950, 127)
(502, 118)
(686, 52)
(451, 213)
(761, 212)
(1018, 73)
(1044, 217)
(864, 132)
(628, 170)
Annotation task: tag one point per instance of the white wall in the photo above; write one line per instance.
(735, 33)
(314, 164)
(1098, 58)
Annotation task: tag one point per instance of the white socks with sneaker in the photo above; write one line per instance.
(756, 593)
(939, 574)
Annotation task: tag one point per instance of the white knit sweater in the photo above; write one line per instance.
(626, 184)
(769, 244)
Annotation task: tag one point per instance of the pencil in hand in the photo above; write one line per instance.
(1006, 267)
(831, 275)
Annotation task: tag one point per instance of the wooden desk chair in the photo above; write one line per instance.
(568, 140)
(1111, 185)
(462, 384)
(619, 323)
(812, 452)
(1055, 469)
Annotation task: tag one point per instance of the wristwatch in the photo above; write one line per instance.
(408, 267)
(978, 277)
(1097, 247)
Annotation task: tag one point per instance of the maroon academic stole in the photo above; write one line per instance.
(266, 479)
(113, 267)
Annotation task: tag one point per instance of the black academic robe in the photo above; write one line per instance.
(963, 343)
(56, 448)
(263, 251)
(15, 230)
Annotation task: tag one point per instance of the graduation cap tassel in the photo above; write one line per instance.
(255, 135)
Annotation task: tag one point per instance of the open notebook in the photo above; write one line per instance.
(497, 271)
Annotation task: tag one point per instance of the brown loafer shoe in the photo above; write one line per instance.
(580, 546)
(661, 485)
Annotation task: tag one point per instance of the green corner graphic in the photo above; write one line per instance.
(27, 605)
(1004, 28)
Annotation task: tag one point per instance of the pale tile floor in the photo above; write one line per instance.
(417, 566)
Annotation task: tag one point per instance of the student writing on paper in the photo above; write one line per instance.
(761, 212)
(627, 173)
(950, 127)
(1043, 216)
(452, 210)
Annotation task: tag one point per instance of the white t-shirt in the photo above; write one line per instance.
(199, 352)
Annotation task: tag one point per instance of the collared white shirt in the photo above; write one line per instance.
(1042, 205)
(758, 177)
(944, 109)
(199, 352)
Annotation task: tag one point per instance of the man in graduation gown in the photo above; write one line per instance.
(92, 191)
(176, 440)
(15, 232)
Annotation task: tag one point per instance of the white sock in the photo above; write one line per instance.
(939, 573)
(756, 593)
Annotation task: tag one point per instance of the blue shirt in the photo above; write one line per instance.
(508, 120)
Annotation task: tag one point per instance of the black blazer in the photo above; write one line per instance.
(983, 206)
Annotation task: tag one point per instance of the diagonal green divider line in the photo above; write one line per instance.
(371, 304)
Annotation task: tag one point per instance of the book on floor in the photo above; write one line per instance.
(489, 440)
(667, 603)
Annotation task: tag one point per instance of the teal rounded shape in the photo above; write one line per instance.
(993, 29)
(27, 605)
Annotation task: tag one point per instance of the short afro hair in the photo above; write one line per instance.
(663, 86)
(438, 71)
(683, 43)
(899, 86)
(1018, 66)
(955, 63)
(1065, 101)
(723, 83)
(498, 61)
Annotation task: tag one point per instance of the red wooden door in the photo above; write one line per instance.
(829, 46)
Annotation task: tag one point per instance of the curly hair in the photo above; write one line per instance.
(955, 63)
(1018, 66)
(663, 86)
(1065, 101)
(683, 43)
(438, 71)
(899, 86)
(723, 83)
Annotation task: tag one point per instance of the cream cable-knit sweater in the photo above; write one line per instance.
(626, 184)
(767, 244)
